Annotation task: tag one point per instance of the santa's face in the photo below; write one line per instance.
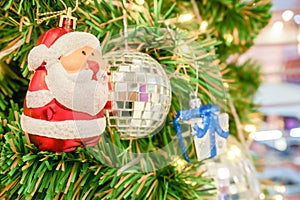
(85, 58)
(79, 80)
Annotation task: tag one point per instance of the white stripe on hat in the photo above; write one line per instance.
(72, 41)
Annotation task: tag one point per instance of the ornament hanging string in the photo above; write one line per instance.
(52, 14)
(125, 32)
(125, 26)
(66, 13)
(209, 116)
(194, 103)
(197, 75)
(125, 29)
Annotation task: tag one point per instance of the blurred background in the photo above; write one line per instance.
(274, 133)
(276, 141)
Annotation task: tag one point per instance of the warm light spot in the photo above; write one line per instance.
(191, 183)
(233, 152)
(250, 128)
(297, 19)
(226, 85)
(203, 26)
(185, 17)
(266, 135)
(180, 163)
(228, 37)
(280, 188)
(287, 15)
(223, 173)
(140, 2)
(278, 197)
(295, 132)
(280, 144)
(277, 26)
(262, 196)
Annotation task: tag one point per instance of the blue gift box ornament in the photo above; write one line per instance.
(209, 127)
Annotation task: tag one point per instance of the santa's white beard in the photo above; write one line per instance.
(77, 91)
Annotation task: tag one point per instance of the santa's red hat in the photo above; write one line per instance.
(59, 44)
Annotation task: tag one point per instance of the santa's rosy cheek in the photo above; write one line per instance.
(77, 60)
(72, 65)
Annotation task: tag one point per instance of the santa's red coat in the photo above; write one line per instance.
(55, 112)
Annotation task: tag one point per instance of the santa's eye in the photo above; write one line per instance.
(83, 52)
(92, 54)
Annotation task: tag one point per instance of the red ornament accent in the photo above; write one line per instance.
(50, 36)
(59, 145)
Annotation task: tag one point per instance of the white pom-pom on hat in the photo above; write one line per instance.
(39, 54)
(63, 46)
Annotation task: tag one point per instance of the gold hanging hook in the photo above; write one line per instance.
(68, 20)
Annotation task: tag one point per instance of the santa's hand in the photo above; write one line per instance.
(50, 112)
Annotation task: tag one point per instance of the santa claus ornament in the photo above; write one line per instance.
(63, 107)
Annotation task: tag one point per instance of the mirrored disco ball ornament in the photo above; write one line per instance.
(234, 174)
(141, 93)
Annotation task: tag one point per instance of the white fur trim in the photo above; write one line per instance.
(68, 129)
(38, 98)
(39, 54)
(72, 41)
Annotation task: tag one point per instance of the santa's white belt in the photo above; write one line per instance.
(68, 129)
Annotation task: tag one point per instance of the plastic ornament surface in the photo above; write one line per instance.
(63, 109)
(213, 142)
(234, 174)
(141, 93)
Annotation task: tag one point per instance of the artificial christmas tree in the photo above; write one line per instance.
(112, 168)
